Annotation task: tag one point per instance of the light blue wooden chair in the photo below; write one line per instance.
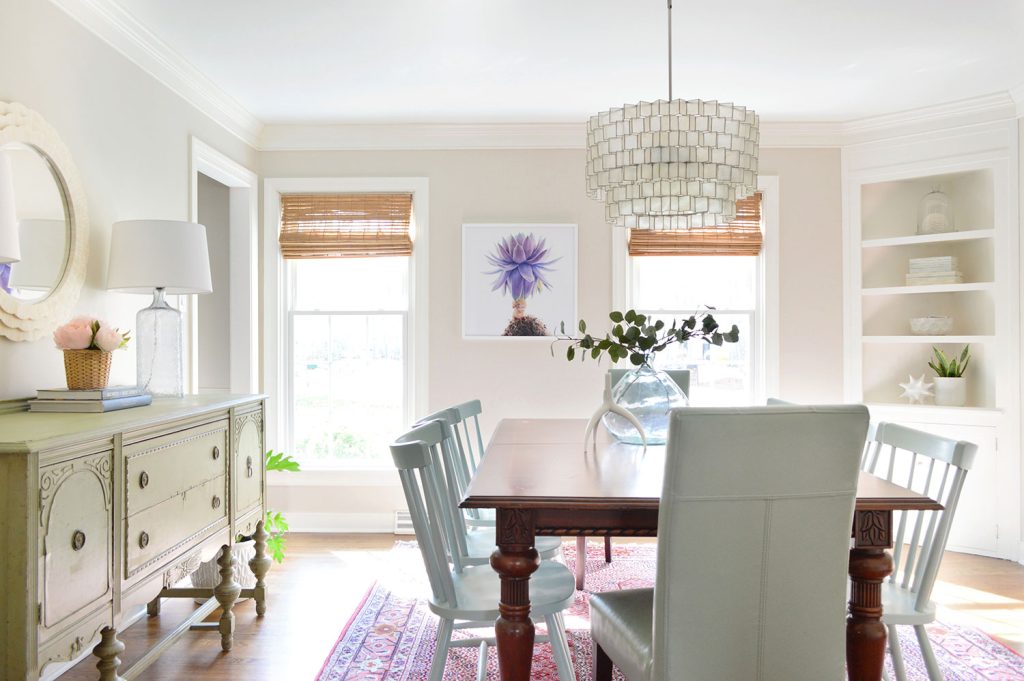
(467, 596)
(936, 467)
(750, 495)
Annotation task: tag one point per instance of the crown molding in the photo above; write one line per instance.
(1017, 94)
(422, 136)
(122, 31)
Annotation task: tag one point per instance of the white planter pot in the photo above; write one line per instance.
(207, 575)
(950, 392)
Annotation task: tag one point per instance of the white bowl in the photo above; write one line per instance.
(931, 326)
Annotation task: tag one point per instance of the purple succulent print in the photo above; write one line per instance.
(521, 265)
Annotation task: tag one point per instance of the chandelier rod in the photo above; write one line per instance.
(670, 50)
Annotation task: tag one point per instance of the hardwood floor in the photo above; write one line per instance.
(316, 590)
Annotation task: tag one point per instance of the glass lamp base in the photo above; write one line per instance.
(158, 341)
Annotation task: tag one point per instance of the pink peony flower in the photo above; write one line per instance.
(75, 335)
(108, 338)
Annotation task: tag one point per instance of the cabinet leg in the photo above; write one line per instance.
(259, 565)
(108, 650)
(226, 593)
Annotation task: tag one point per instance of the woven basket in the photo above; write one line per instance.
(87, 369)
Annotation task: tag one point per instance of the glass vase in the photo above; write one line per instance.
(649, 395)
(158, 348)
(934, 213)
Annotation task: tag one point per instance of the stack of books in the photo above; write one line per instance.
(937, 270)
(99, 400)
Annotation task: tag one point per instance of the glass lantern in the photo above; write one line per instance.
(934, 213)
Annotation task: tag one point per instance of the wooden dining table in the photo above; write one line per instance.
(539, 480)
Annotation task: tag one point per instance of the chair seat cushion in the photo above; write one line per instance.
(621, 622)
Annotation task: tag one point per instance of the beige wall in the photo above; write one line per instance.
(214, 310)
(129, 136)
(521, 378)
(810, 272)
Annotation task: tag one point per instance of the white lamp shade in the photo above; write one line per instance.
(168, 254)
(10, 251)
(44, 251)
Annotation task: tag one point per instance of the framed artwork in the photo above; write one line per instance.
(518, 279)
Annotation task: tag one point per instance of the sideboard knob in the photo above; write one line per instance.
(143, 479)
(143, 540)
(216, 453)
(77, 540)
(248, 466)
(216, 502)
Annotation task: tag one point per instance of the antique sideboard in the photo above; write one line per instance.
(101, 514)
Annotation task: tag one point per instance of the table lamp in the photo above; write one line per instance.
(10, 251)
(163, 257)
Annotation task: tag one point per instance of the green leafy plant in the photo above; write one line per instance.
(274, 524)
(945, 367)
(639, 338)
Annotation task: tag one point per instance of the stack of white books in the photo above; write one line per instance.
(938, 270)
(99, 400)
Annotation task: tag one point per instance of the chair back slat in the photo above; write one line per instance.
(936, 467)
(729, 610)
(416, 456)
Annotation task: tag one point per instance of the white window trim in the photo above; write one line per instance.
(275, 292)
(766, 357)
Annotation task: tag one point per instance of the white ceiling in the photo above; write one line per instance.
(490, 61)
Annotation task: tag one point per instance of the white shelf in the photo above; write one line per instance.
(931, 288)
(917, 239)
(929, 340)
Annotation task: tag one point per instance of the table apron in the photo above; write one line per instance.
(596, 522)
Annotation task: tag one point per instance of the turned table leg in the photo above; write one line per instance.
(259, 565)
(226, 593)
(108, 650)
(870, 564)
(581, 561)
(514, 560)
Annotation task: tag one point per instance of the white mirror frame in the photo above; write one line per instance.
(22, 320)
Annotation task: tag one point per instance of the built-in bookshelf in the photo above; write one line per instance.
(883, 183)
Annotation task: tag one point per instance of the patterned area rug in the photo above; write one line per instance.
(391, 636)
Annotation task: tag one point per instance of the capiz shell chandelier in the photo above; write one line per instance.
(672, 164)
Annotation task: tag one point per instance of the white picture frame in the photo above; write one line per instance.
(490, 314)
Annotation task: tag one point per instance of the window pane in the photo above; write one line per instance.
(348, 386)
(693, 282)
(351, 284)
(719, 376)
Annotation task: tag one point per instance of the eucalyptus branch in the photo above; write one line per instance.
(639, 337)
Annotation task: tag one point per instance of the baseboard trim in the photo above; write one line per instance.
(356, 523)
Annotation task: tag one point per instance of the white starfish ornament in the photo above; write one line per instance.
(915, 389)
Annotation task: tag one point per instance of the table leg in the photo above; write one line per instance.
(514, 560)
(870, 564)
(581, 561)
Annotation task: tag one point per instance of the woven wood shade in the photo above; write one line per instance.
(345, 225)
(742, 236)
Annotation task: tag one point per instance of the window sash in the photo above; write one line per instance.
(345, 225)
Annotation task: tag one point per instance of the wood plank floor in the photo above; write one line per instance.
(316, 590)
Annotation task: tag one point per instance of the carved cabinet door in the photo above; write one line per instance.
(76, 537)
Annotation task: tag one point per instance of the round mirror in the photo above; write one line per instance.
(44, 228)
(40, 220)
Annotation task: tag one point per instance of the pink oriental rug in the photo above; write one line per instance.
(391, 635)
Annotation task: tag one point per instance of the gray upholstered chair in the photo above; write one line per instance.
(936, 467)
(754, 532)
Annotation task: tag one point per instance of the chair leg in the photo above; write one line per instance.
(602, 664)
(930, 663)
(581, 562)
(897, 654)
(607, 549)
(560, 647)
(444, 638)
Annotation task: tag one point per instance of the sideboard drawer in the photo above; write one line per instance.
(173, 522)
(76, 537)
(163, 467)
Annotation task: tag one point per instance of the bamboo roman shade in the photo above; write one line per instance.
(742, 236)
(345, 225)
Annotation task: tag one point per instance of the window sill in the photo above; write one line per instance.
(335, 477)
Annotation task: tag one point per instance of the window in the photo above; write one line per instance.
(675, 286)
(347, 326)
